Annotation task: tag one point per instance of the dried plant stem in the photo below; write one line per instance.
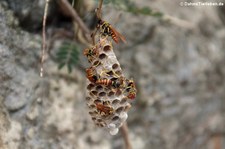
(72, 3)
(44, 38)
(124, 131)
(74, 15)
(99, 16)
(99, 9)
(93, 36)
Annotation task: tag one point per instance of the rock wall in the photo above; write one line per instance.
(178, 66)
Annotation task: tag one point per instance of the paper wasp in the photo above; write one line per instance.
(91, 53)
(91, 74)
(131, 89)
(104, 108)
(106, 29)
(114, 82)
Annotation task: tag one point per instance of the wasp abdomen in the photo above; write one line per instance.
(105, 82)
(91, 75)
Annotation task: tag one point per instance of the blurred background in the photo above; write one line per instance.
(175, 54)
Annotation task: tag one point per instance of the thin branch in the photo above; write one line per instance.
(99, 16)
(124, 131)
(93, 36)
(72, 3)
(74, 15)
(44, 38)
(99, 9)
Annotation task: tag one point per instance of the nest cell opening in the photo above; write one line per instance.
(97, 101)
(124, 100)
(101, 94)
(90, 86)
(91, 113)
(107, 48)
(96, 63)
(119, 73)
(119, 110)
(93, 93)
(115, 66)
(115, 118)
(111, 73)
(115, 101)
(111, 93)
(88, 99)
(99, 120)
(91, 106)
(101, 124)
(127, 107)
(102, 56)
(99, 88)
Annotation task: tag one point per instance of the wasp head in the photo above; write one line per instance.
(86, 51)
(100, 22)
(132, 95)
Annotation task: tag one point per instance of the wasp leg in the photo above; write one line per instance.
(102, 38)
(109, 73)
(96, 63)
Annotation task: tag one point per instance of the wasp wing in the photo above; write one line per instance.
(118, 35)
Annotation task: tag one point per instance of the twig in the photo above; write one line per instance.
(99, 16)
(99, 9)
(124, 131)
(44, 38)
(72, 3)
(93, 36)
(74, 15)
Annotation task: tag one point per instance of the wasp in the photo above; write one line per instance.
(106, 82)
(106, 29)
(115, 82)
(131, 89)
(91, 53)
(91, 74)
(104, 108)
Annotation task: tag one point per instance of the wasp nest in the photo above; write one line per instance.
(108, 91)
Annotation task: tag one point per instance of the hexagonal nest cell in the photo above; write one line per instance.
(108, 105)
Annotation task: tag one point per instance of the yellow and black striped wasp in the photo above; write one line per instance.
(106, 29)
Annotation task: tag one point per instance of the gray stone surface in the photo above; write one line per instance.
(179, 73)
(29, 12)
